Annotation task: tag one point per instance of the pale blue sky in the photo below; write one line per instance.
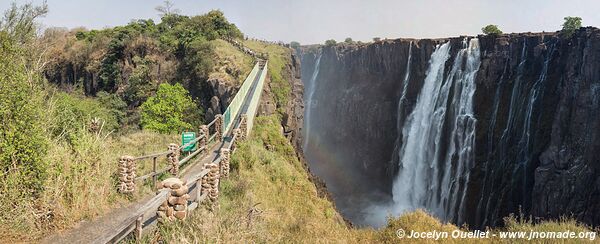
(313, 21)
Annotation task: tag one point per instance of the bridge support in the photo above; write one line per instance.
(175, 206)
(173, 158)
(211, 181)
(127, 172)
(204, 134)
(219, 127)
(243, 127)
(225, 160)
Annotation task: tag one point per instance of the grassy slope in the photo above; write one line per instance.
(231, 66)
(278, 58)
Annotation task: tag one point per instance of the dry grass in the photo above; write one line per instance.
(81, 184)
(232, 65)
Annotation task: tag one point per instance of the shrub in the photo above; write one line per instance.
(171, 110)
(22, 141)
(348, 40)
(491, 30)
(376, 39)
(330, 42)
(73, 115)
(571, 25)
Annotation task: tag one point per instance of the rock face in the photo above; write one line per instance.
(537, 106)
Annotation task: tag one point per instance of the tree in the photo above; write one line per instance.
(376, 39)
(348, 40)
(330, 42)
(170, 110)
(491, 30)
(294, 44)
(167, 9)
(19, 21)
(571, 25)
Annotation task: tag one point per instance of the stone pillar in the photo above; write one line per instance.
(212, 181)
(203, 132)
(219, 127)
(243, 127)
(175, 207)
(225, 159)
(173, 158)
(127, 174)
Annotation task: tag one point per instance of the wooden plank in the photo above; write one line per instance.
(129, 225)
(151, 155)
(191, 155)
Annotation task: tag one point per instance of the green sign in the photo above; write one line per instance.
(187, 137)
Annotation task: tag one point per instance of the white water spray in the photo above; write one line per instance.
(309, 102)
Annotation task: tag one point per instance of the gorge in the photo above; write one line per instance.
(471, 129)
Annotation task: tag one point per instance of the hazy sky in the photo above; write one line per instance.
(313, 21)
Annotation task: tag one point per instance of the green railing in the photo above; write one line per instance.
(237, 102)
(255, 100)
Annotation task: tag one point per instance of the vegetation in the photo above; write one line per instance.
(348, 40)
(491, 30)
(376, 39)
(22, 141)
(73, 101)
(294, 44)
(171, 110)
(571, 25)
(330, 42)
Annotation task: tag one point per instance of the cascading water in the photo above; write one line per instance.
(433, 175)
(309, 101)
(402, 105)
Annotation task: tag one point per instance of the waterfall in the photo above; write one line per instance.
(309, 102)
(401, 104)
(524, 155)
(434, 165)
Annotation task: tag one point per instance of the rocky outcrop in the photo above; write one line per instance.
(293, 112)
(537, 134)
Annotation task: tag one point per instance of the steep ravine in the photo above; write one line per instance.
(536, 108)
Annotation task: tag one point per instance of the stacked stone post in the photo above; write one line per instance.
(127, 175)
(219, 127)
(204, 134)
(211, 183)
(175, 207)
(243, 127)
(237, 133)
(173, 158)
(225, 158)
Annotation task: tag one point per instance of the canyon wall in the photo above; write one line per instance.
(536, 104)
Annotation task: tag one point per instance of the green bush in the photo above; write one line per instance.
(491, 30)
(171, 110)
(330, 42)
(294, 44)
(571, 25)
(349, 40)
(22, 142)
(73, 115)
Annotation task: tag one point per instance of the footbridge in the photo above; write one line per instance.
(193, 171)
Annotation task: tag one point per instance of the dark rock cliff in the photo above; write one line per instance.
(537, 105)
